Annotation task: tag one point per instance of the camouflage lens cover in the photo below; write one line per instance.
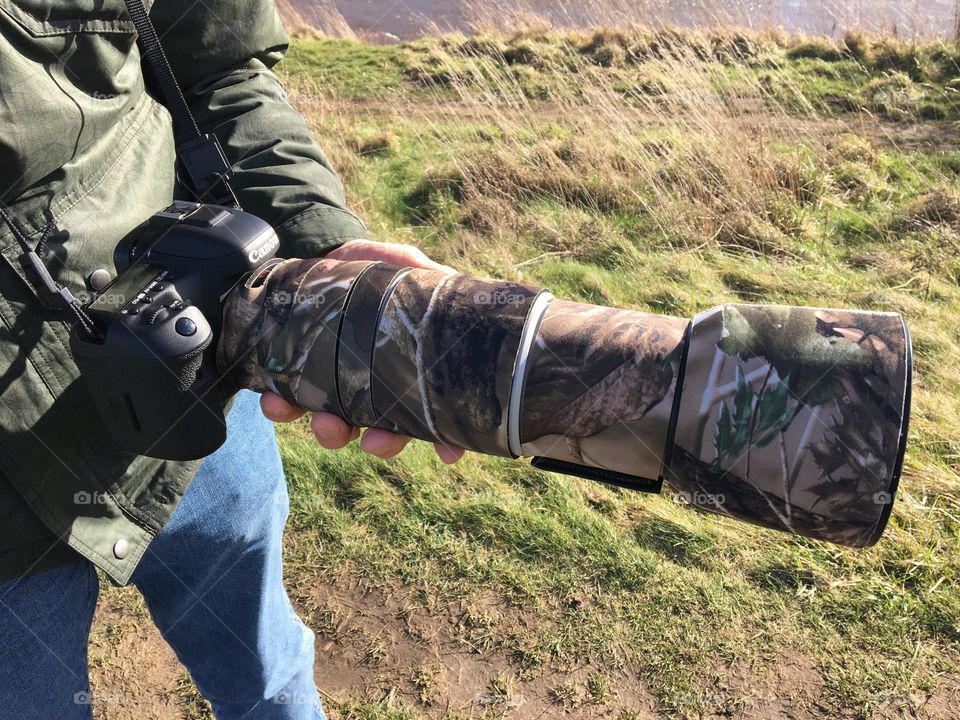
(795, 419)
(600, 388)
(281, 330)
(444, 359)
(791, 418)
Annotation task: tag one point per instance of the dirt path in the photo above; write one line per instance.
(371, 644)
(375, 643)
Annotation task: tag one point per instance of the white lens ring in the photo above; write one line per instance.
(531, 330)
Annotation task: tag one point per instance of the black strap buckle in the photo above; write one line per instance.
(207, 168)
(219, 192)
(52, 295)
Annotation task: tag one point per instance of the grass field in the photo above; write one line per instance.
(667, 172)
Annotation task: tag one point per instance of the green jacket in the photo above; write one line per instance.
(82, 142)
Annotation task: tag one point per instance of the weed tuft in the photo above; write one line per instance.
(939, 207)
(430, 683)
(567, 695)
(378, 144)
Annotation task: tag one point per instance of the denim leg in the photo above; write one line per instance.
(212, 580)
(44, 630)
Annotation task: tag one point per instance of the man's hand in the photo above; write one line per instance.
(332, 432)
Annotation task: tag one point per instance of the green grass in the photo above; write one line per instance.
(344, 67)
(646, 205)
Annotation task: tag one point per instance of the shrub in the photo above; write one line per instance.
(816, 48)
(859, 46)
(799, 177)
(481, 46)
(856, 180)
(745, 233)
(936, 251)
(379, 144)
(848, 147)
(893, 95)
(522, 53)
(606, 49)
(899, 58)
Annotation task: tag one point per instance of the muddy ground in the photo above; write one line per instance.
(401, 644)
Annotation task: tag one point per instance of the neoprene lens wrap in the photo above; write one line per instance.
(791, 418)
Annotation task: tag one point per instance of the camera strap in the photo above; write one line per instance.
(51, 294)
(201, 157)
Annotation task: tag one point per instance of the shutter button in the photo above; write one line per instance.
(121, 549)
(186, 327)
(98, 280)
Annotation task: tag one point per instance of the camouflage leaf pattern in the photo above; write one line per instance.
(794, 419)
(280, 331)
(358, 332)
(445, 357)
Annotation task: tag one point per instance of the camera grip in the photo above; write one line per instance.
(156, 387)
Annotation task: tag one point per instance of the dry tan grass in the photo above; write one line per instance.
(319, 18)
(700, 134)
(673, 140)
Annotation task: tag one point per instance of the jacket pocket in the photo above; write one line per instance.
(48, 18)
(69, 76)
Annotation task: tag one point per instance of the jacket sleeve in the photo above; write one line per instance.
(222, 54)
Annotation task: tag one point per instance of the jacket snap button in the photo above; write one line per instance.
(121, 549)
(98, 280)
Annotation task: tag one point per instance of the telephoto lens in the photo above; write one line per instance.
(791, 418)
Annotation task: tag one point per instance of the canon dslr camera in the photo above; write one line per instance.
(151, 364)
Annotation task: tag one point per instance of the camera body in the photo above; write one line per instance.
(151, 368)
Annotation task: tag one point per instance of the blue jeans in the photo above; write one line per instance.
(212, 580)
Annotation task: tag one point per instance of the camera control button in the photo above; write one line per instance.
(151, 316)
(186, 327)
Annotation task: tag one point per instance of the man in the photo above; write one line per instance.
(87, 154)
